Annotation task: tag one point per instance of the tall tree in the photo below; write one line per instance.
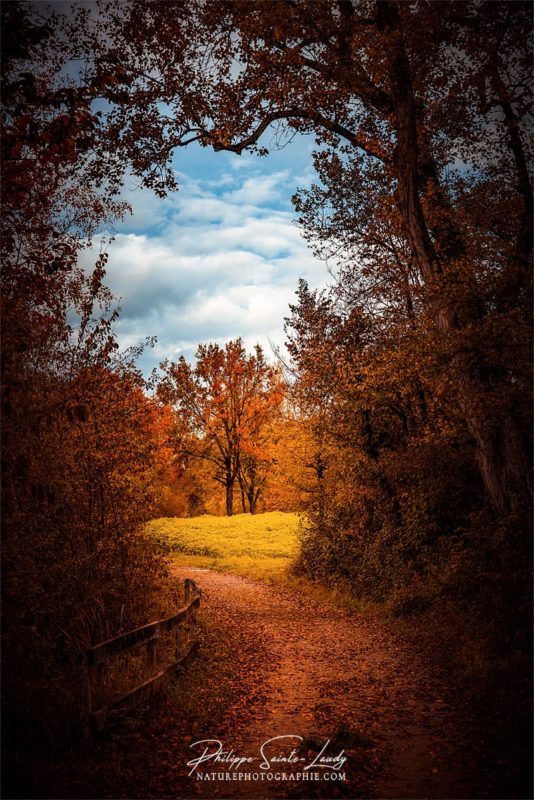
(222, 403)
(430, 102)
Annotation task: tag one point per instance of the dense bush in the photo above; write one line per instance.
(398, 512)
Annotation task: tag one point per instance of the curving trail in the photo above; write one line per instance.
(328, 673)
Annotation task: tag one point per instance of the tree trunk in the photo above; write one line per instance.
(229, 495)
(502, 461)
(253, 497)
(243, 496)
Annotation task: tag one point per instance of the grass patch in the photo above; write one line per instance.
(336, 595)
(259, 546)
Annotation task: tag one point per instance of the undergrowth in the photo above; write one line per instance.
(133, 759)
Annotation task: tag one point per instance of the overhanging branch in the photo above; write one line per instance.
(320, 120)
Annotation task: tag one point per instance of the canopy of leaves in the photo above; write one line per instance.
(421, 111)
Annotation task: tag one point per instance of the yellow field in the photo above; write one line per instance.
(259, 546)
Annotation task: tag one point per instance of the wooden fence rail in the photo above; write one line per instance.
(94, 720)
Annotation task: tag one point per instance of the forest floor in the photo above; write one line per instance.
(331, 677)
(274, 663)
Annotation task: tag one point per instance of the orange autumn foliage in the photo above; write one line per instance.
(81, 444)
(223, 406)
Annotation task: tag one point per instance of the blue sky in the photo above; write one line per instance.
(218, 259)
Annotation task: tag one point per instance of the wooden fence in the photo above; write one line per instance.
(95, 720)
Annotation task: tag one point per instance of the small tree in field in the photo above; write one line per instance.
(223, 404)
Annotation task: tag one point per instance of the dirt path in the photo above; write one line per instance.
(329, 676)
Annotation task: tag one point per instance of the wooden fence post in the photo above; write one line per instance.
(85, 701)
(94, 720)
(151, 654)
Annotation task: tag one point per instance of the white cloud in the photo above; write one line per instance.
(243, 162)
(259, 190)
(217, 260)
